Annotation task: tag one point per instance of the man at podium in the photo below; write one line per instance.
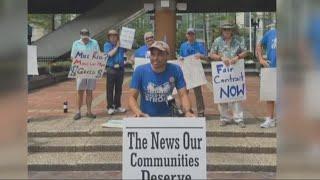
(155, 82)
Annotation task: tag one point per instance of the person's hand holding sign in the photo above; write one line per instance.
(226, 61)
(234, 60)
(264, 62)
(198, 56)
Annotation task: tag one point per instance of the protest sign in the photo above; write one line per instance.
(127, 37)
(193, 72)
(164, 148)
(88, 65)
(32, 60)
(140, 61)
(268, 84)
(228, 82)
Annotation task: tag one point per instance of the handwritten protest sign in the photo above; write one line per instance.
(32, 60)
(228, 82)
(127, 37)
(268, 84)
(140, 61)
(88, 65)
(164, 148)
(193, 72)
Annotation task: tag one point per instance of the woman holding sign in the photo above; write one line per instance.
(84, 45)
(115, 72)
(228, 49)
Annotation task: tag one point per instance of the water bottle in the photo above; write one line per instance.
(65, 106)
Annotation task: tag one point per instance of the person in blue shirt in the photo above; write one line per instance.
(192, 47)
(115, 72)
(143, 50)
(269, 41)
(89, 46)
(155, 81)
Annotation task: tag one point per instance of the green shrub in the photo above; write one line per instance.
(60, 66)
(43, 69)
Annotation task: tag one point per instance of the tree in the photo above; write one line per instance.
(41, 20)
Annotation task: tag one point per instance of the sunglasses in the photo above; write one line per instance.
(148, 38)
(226, 29)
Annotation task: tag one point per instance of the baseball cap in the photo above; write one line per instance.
(162, 46)
(84, 31)
(191, 30)
(113, 32)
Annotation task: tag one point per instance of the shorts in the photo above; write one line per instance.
(86, 84)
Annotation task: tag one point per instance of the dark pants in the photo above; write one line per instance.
(114, 87)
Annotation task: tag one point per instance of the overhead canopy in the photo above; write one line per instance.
(195, 6)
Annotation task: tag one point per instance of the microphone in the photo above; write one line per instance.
(175, 111)
(171, 102)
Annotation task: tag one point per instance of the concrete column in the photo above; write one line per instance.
(165, 25)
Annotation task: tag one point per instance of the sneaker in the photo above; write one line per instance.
(201, 114)
(93, 116)
(241, 124)
(120, 110)
(268, 123)
(77, 116)
(111, 111)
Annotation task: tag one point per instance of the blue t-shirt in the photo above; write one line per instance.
(141, 52)
(187, 49)
(155, 87)
(269, 40)
(117, 58)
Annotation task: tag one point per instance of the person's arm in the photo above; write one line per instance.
(216, 57)
(241, 54)
(186, 105)
(111, 51)
(135, 85)
(260, 55)
(259, 51)
(214, 52)
(133, 103)
(201, 54)
(73, 51)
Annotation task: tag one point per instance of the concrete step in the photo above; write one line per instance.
(85, 127)
(105, 144)
(111, 161)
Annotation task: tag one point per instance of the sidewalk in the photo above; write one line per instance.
(47, 103)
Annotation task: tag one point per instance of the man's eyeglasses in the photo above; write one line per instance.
(149, 38)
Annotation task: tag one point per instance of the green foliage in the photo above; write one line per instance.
(61, 66)
(41, 20)
(141, 25)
